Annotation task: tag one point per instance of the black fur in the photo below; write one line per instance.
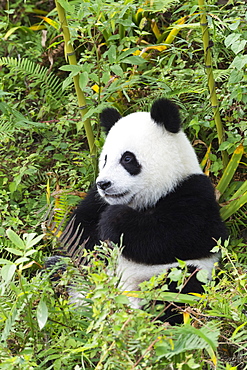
(184, 224)
(130, 163)
(108, 117)
(166, 114)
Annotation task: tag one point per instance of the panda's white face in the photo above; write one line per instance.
(141, 162)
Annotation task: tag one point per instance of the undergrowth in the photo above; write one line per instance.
(128, 54)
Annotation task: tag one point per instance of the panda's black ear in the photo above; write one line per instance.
(166, 113)
(108, 117)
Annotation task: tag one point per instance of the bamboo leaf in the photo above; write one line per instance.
(50, 21)
(233, 207)
(230, 169)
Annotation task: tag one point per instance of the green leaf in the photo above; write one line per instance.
(71, 68)
(230, 169)
(66, 5)
(134, 60)
(112, 53)
(202, 276)
(15, 239)
(30, 240)
(21, 260)
(42, 314)
(122, 299)
(14, 251)
(7, 272)
(3, 261)
(235, 76)
(83, 80)
(239, 62)
(175, 274)
(117, 70)
(234, 26)
(238, 46)
(231, 39)
(233, 206)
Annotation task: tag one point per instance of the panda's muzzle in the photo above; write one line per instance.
(103, 185)
(108, 190)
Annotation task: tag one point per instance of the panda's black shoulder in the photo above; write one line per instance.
(198, 184)
(195, 191)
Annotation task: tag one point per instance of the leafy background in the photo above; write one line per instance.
(125, 54)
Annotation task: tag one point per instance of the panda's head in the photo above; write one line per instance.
(145, 155)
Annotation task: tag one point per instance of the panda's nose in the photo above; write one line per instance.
(103, 185)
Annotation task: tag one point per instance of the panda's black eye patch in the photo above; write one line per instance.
(130, 163)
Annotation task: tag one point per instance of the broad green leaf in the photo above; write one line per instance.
(15, 239)
(83, 80)
(231, 39)
(134, 60)
(71, 68)
(42, 314)
(30, 252)
(235, 77)
(122, 299)
(202, 276)
(112, 53)
(66, 5)
(21, 260)
(234, 26)
(14, 251)
(7, 272)
(3, 261)
(239, 62)
(30, 240)
(117, 70)
(238, 46)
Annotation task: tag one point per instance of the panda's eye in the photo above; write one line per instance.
(127, 158)
(130, 163)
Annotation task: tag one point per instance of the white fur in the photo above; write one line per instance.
(166, 159)
(132, 273)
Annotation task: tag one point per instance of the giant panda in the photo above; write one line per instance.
(152, 194)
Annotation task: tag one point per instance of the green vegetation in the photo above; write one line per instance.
(127, 53)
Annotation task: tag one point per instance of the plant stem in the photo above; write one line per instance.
(207, 44)
(70, 54)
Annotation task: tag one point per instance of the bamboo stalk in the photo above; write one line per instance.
(211, 82)
(70, 54)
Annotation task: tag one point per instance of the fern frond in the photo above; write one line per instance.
(35, 71)
(4, 244)
(6, 130)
